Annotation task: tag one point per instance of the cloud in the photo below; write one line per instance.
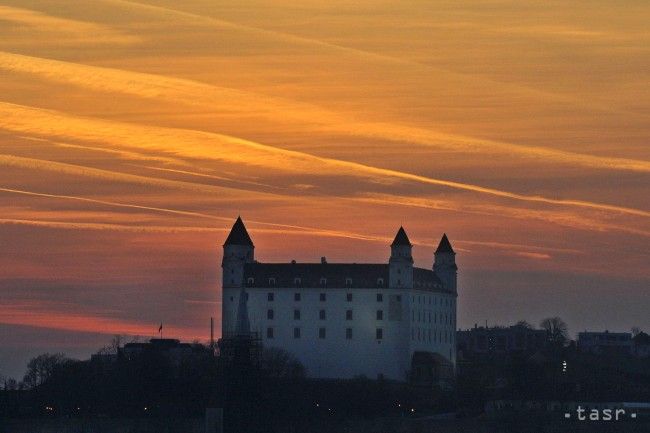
(248, 103)
(232, 150)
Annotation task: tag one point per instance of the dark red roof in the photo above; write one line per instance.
(401, 238)
(238, 234)
(444, 246)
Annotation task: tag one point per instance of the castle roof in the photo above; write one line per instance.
(401, 238)
(444, 246)
(335, 275)
(238, 234)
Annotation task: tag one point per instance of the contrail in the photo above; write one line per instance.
(192, 93)
(197, 144)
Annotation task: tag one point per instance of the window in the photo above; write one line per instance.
(296, 314)
(380, 297)
(348, 315)
(270, 296)
(296, 332)
(380, 314)
(250, 281)
(349, 297)
(323, 297)
(348, 282)
(323, 281)
(321, 332)
(297, 281)
(269, 332)
(271, 282)
(321, 314)
(296, 296)
(380, 282)
(269, 314)
(348, 333)
(379, 334)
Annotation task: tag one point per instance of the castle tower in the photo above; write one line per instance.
(237, 250)
(444, 264)
(401, 261)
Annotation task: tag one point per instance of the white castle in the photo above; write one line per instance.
(343, 320)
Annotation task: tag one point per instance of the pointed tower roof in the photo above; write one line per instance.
(238, 234)
(444, 246)
(401, 238)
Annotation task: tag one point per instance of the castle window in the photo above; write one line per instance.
(380, 282)
(296, 296)
(296, 314)
(380, 314)
(323, 297)
(348, 333)
(251, 281)
(323, 281)
(379, 334)
(349, 297)
(321, 333)
(296, 332)
(271, 282)
(270, 296)
(269, 314)
(321, 315)
(348, 282)
(348, 315)
(297, 282)
(269, 332)
(380, 297)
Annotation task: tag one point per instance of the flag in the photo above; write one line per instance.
(160, 328)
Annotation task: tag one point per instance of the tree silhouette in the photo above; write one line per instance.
(557, 331)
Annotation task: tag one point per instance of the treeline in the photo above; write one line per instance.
(271, 396)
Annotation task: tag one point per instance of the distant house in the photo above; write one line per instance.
(480, 341)
(605, 343)
(641, 343)
(172, 349)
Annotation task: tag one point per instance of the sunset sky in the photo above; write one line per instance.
(132, 134)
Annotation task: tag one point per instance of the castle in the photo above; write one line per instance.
(343, 320)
